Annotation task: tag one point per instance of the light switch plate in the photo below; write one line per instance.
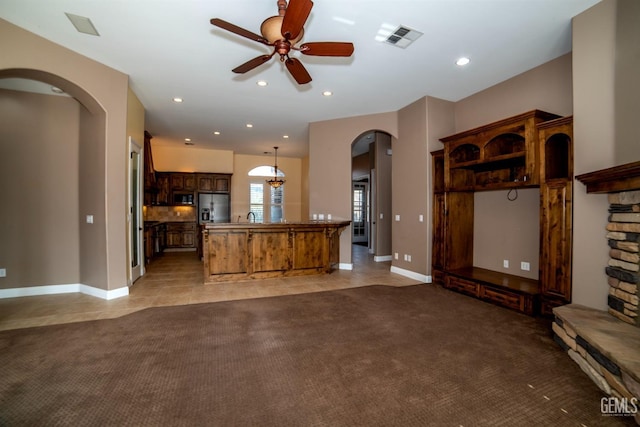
(89, 219)
(3, 272)
(397, 217)
(525, 266)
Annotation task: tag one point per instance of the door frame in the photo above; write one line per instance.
(135, 223)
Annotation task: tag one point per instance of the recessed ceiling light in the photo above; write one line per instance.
(261, 83)
(188, 139)
(177, 100)
(327, 93)
(249, 125)
(462, 61)
(285, 136)
(216, 132)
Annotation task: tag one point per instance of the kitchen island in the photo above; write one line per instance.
(239, 251)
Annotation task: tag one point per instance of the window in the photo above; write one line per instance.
(266, 202)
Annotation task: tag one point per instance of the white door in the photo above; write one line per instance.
(136, 236)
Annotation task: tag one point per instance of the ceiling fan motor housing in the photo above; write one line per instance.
(271, 29)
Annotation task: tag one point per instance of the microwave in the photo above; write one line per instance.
(183, 198)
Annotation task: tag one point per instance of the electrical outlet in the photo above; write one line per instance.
(3, 272)
(525, 266)
(381, 215)
(505, 263)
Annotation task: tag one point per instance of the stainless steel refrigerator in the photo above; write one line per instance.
(213, 208)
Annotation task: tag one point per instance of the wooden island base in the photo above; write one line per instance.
(240, 251)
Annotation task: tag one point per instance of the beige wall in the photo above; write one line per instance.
(39, 189)
(381, 195)
(507, 230)
(330, 166)
(547, 87)
(292, 169)
(191, 159)
(409, 187)
(103, 155)
(606, 93)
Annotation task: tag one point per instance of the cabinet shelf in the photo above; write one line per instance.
(495, 162)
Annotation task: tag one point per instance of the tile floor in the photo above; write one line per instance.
(176, 278)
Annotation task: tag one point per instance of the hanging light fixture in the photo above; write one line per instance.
(275, 182)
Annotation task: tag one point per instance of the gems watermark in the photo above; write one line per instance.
(619, 407)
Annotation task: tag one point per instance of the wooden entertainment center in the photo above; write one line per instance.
(530, 150)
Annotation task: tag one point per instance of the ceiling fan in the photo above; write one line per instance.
(283, 32)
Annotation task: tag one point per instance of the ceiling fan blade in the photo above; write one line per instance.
(327, 49)
(297, 70)
(294, 18)
(238, 30)
(250, 65)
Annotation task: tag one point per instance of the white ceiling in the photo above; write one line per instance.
(169, 49)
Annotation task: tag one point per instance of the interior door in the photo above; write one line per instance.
(136, 237)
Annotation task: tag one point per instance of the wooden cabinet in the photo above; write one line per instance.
(533, 149)
(242, 251)
(214, 183)
(181, 188)
(150, 189)
(500, 155)
(181, 235)
(162, 184)
(556, 191)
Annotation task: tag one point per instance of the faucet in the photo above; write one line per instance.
(251, 214)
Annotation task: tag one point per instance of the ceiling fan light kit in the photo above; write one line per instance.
(283, 32)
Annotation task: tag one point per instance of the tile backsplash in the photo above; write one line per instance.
(169, 213)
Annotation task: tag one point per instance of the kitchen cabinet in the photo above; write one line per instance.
(214, 183)
(181, 235)
(179, 188)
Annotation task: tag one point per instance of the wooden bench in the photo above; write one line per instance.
(515, 292)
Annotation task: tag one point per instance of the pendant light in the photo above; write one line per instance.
(275, 182)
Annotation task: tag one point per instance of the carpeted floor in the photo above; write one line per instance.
(374, 356)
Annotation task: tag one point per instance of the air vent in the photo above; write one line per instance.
(401, 36)
(82, 24)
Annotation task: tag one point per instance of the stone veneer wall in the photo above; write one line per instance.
(623, 270)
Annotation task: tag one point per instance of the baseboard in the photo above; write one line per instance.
(64, 289)
(411, 274)
(345, 266)
(383, 258)
(180, 250)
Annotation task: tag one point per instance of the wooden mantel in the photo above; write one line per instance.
(618, 178)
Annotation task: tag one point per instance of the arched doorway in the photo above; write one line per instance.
(371, 193)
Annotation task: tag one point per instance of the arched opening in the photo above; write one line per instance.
(371, 194)
(53, 153)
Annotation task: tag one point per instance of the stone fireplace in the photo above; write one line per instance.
(623, 269)
(606, 344)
